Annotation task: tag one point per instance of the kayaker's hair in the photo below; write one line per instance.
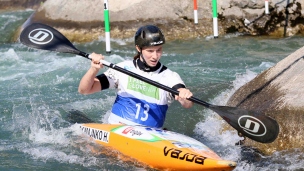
(137, 55)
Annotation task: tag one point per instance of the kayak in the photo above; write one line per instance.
(157, 148)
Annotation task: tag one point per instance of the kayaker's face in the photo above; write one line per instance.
(152, 54)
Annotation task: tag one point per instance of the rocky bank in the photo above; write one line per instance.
(83, 21)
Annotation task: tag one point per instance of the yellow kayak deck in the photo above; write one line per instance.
(157, 148)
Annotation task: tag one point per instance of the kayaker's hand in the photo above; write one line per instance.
(183, 93)
(96, 60)
(183, 96)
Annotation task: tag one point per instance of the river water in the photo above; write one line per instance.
(38, 88)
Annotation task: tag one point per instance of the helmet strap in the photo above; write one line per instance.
(142, 64)
(146, 66)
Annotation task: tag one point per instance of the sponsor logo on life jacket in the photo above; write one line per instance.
(179, 154)
(143, 88)
(252, 125)
(40, 36)
(97, 134)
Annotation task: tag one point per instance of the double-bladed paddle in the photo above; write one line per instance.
(251, 124)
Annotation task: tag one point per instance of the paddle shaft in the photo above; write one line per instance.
(156, 84)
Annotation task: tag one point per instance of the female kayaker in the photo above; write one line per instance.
(137, 102)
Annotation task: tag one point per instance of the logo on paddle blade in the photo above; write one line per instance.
(252, 125)
(40, 36)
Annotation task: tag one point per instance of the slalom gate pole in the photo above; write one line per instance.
(215, 24)
(266, 7)
(107, 26)
(195, 11)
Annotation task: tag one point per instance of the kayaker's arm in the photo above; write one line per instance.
(89, 84)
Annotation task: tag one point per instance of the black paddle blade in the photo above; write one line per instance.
(41, 36)
(251, 124)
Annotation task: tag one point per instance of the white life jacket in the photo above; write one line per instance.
(137, 102)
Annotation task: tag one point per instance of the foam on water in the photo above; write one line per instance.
(36, 122)
(227, 36)
(100, 103)
(39, 121)
(8, 19)
(49, 139)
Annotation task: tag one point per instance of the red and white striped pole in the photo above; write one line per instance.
(266, 7)
(195, 11)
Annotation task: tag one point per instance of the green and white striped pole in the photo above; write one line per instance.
(107, 25)
(214, 14)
